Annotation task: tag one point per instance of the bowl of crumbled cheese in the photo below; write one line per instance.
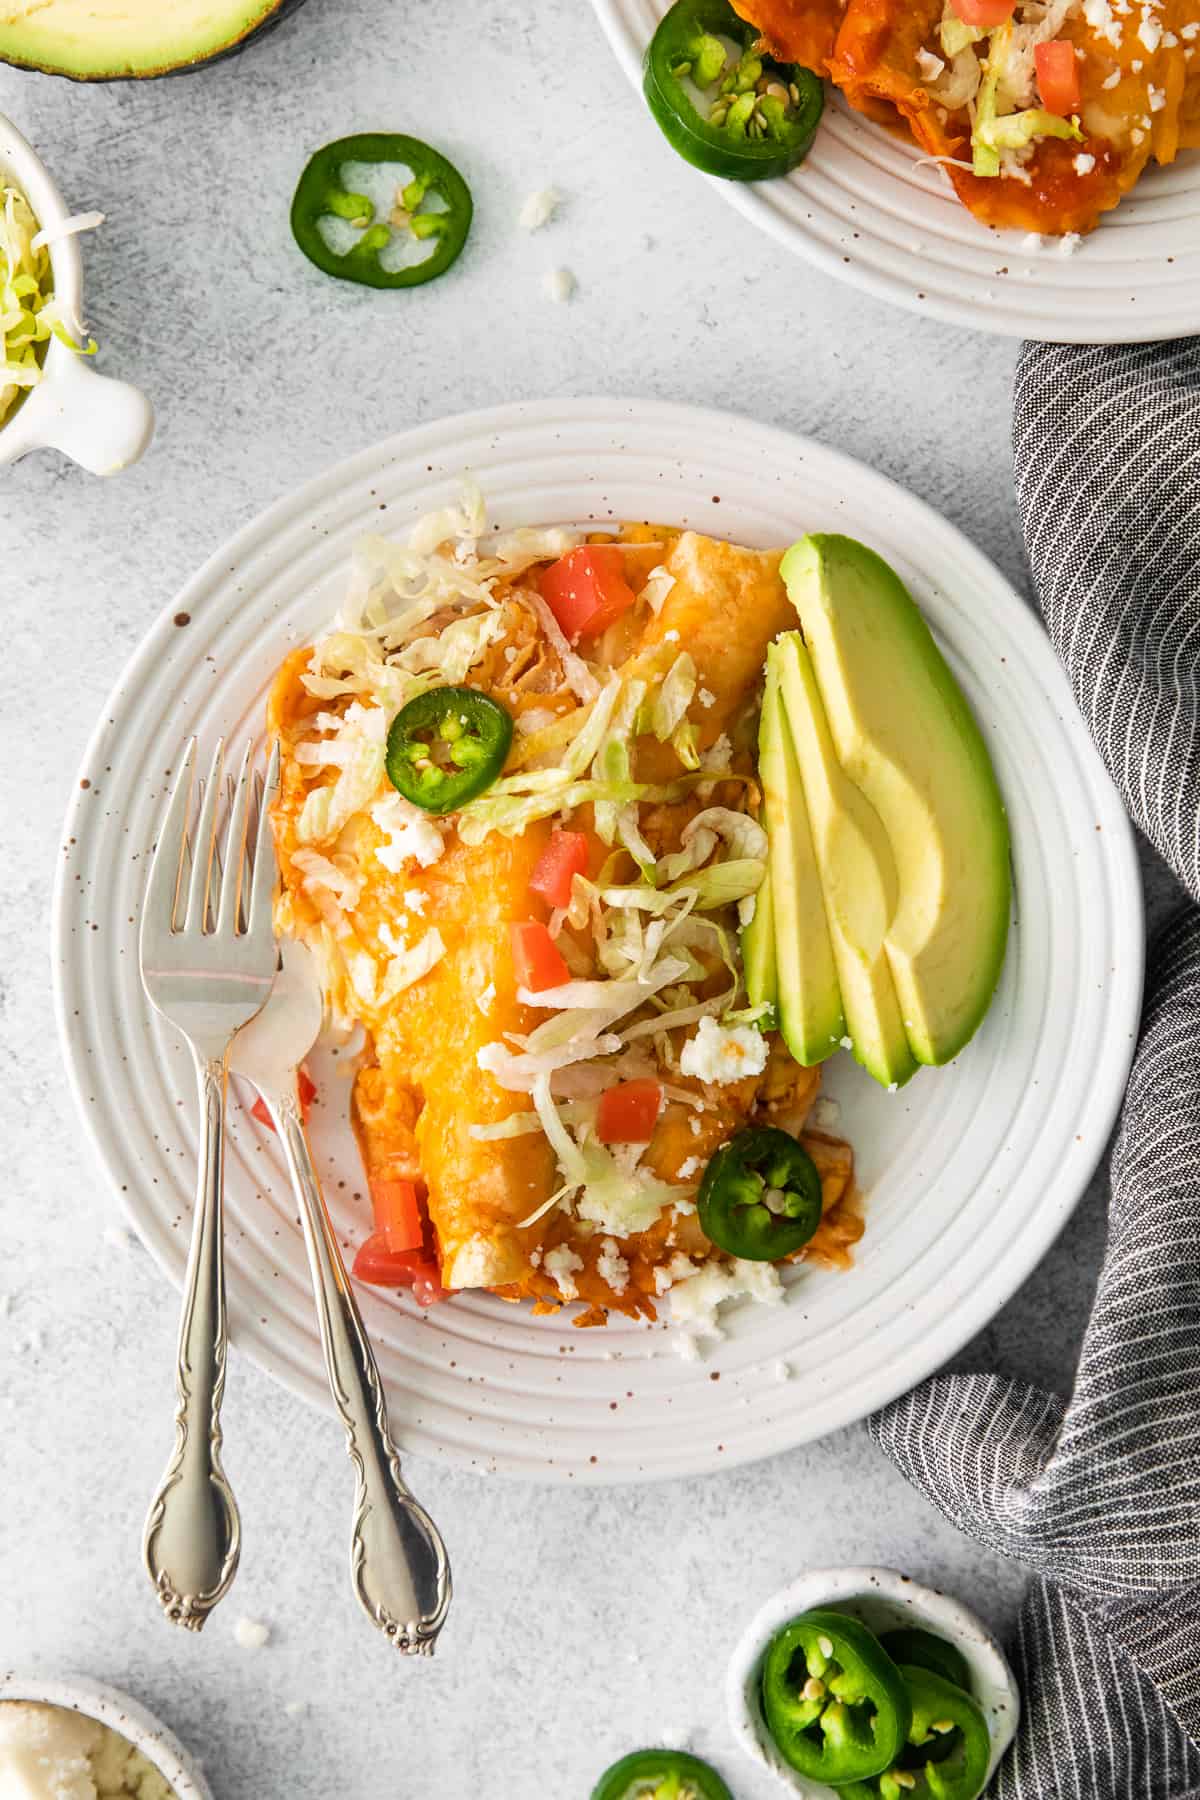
(76, 1740)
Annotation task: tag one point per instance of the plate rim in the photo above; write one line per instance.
(992, 321)
(974, 1310)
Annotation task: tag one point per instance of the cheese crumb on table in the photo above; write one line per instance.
(251, 1634)
(558, 285)
(539, 208)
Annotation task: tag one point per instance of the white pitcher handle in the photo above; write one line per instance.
(102, 424)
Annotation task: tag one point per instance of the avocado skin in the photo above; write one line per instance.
(833, 582)
(283, 10)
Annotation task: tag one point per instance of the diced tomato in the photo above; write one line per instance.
(306, 1088)
(565, 856)
(984, 13)
(627, 1114)
(398, 1214)
(375, 1263)
(538, 960)
(1058, 77)
(586, 589)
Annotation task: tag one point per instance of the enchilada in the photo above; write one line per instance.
(503, 1100)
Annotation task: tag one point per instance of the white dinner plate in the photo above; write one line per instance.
(870, 208)
(968, 1174)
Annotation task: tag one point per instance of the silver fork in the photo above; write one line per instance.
(398, 1562)
(208, 961)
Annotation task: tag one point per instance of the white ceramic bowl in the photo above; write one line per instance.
(124, 1715)
(102, 424)
(884, 1600)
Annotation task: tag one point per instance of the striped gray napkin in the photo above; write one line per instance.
(1100, 1494)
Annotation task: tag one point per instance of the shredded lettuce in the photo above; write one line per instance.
(955, 36)
(1014, 131)
(673, 696)
(29, 313)
(360, 748)
(997, 131)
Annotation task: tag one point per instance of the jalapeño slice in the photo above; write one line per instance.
(446, 746)
(834, 1701)
(744, 117)
(321, 193)
(660, 1775)
(948, 1746)
(760, 1198)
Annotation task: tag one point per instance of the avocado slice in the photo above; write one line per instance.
(106, 40)
(906, 737)
(808, 1002)
(857, 870)
(758, 952)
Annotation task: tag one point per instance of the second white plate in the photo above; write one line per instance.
(869, 208)
(969, 1173)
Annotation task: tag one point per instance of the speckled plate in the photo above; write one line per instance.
(872, 209)
(969, 1173)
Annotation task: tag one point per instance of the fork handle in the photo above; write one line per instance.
(398, 1562)
(192, 1538)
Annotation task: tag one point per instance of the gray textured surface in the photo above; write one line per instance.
(584, 1624)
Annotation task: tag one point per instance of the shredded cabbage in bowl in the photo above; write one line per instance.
(30, 315)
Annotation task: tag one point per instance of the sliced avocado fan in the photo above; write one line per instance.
(907, 739)
(104, 40)
(857, 871)
(807, 998)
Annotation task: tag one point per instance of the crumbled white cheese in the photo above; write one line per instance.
(1111, 81)
(410, 832)
(1157, 98)
(688, 1169)
(1099, 15)
(54, 1753)
(612, 1267)
(682, 1208)
(251, 1634)
(415, 900)
(680, 1268)
(1084, 163)
(671, 637)
(847, 1043)
(1150, 30)
(706, 697)
(723, 1053)
(695, 1301)
(562, 1264)
(486, 1000)
(558, 285)
(825, 1114)
(1068, 245)
(539, 208)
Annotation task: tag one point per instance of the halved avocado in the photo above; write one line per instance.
(906, 737)
(858, 874)
(111, 40)
(808, 1002)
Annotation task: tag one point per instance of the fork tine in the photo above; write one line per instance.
(196, 918)
(262, 890)
(235, 847)
(162, 889)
